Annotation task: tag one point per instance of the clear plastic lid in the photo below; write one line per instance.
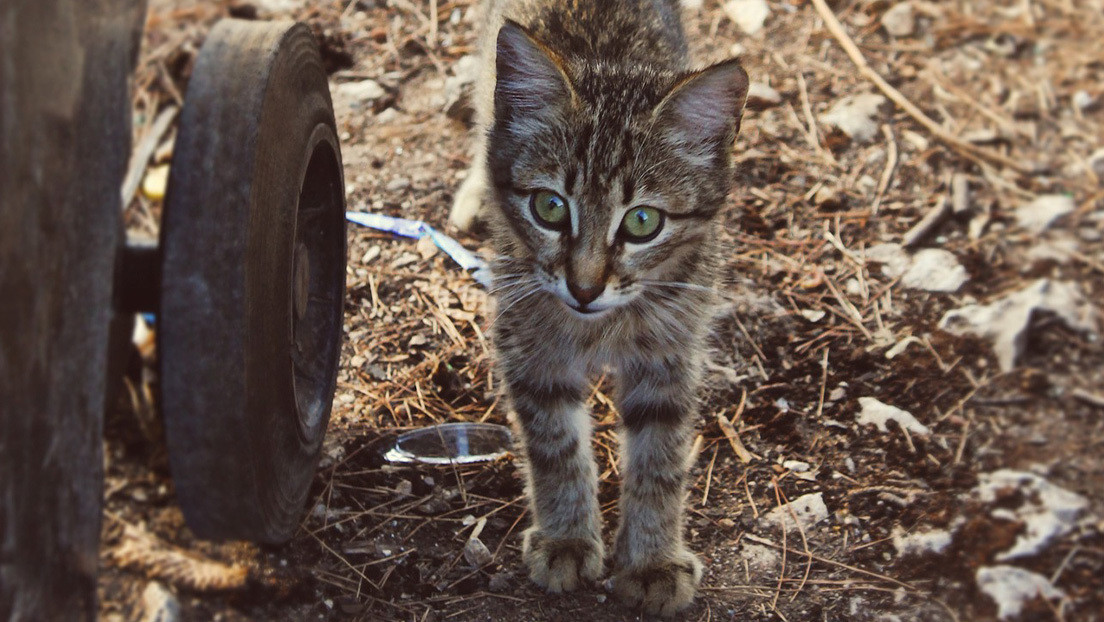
(452, 443)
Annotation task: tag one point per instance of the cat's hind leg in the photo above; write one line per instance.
(563, 547)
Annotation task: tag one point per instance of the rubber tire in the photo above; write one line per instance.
(255, 187)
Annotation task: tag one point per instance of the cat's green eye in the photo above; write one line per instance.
(642, 224)
(550, 209)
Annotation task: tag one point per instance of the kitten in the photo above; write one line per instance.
(601, 163)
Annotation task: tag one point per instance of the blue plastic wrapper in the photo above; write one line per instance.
(417, 229)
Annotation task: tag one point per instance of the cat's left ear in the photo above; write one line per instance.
(704, 109)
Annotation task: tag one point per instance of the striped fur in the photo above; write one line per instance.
(596, 101)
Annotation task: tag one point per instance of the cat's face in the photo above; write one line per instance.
(607, 181)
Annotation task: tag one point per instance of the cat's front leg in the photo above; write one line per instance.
(564, 544)
(652, 566)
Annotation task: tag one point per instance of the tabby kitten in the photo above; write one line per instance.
(601, 163)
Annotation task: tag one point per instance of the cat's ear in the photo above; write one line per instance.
(530, 83)
(704, 109)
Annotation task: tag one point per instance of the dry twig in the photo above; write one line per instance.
(972, 152)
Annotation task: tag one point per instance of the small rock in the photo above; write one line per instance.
(1083, 101)
(370, 255)
(1038, 215)
(1047, 512)
(1096, 164)
(387, 116)
(761, 96)
(893, 257)
(404, 488)
(856, 116)
(1057, 248)
(809, 509)
(813, 315)
(749, 15)
(900, 21)
(499, 582)
(360, 92)
(826, 196)
(922, 542)
(159, 604)
(397, 184)
(692, 5)
(1005, 321)
(879, 413)
(267, 9)
(796, 466)
(1011, 588)
(476, 553)
(761, 560)
(934, 270)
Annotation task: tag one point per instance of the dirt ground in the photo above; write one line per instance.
(814, 326)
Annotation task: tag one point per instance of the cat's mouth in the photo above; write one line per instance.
(587, 311)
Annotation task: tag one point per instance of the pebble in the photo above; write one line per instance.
(761, 96)
(159, 604)
(1096, 163)
(809, 509)
(499, 582)
(1083, 101)
(878, 413)
(361, 91)
(476, 553)
(856, 116)
(1038, 215)
(1011, 588)
(749, 15)
(900, 21)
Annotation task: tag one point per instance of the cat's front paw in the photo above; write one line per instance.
(663, 587)
(468, 204)
(560, 564)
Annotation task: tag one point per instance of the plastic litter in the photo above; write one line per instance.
(416, 229)
(452, 443)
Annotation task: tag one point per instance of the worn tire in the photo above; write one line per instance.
(253, 273)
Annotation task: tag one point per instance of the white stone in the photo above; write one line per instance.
(1083, 100)
(692, 5)
(1005, 321)
(159, 604)
(762, 96)
(761, 560)
(879, 413)
(267, 9)
(809, 510)
(360, 92)
(1096, 164)
(934, 270)
(894, 258)
(922, 542)
(749, 15)
(900, 20)
(1012, 587)
(856, 116)
(1047, 511)
(1038, 215)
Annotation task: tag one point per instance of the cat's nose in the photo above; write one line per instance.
(585, 294)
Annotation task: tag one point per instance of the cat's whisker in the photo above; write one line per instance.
(681, 285)
(535, 290)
